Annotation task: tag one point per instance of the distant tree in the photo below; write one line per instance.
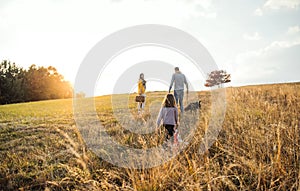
(46, 83)
(34, 84)
(80, 95)
(11, 83)
(58, 88)
(217, 77)
(34, 81)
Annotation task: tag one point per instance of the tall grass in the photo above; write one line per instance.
(258, 147)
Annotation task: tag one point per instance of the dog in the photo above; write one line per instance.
(193, 106)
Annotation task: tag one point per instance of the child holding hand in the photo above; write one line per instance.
(168, 115)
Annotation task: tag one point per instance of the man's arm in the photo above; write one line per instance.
(172, 81)
(186, 84)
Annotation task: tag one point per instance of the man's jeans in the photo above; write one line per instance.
(179, 98)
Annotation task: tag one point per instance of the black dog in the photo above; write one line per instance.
(193, 106)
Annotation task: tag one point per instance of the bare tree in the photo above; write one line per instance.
(217, 77)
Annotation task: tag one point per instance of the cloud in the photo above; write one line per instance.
(276, 45)
(276, 5)
(252, 37)
(205, 9)
(258, 12)
(293, 30)
(277, 62)
(272, 47)
(60, 33)
(193, 8)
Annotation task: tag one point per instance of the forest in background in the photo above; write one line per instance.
(33, 84)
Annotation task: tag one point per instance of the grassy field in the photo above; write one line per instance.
(258, 147)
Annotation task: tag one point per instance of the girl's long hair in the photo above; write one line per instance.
(169, 101)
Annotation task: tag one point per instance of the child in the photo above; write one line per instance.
(168, 114)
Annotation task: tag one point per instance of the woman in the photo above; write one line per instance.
(141, 92)
(168, 114)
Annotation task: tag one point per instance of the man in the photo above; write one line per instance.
(179, 79)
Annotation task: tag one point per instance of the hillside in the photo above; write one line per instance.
(258, 147)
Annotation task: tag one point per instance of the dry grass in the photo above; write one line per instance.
(257, 149)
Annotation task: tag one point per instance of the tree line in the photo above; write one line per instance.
(32, 84)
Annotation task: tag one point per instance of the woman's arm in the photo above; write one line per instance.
(139, 87)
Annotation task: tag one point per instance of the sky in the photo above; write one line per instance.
(256, 41)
